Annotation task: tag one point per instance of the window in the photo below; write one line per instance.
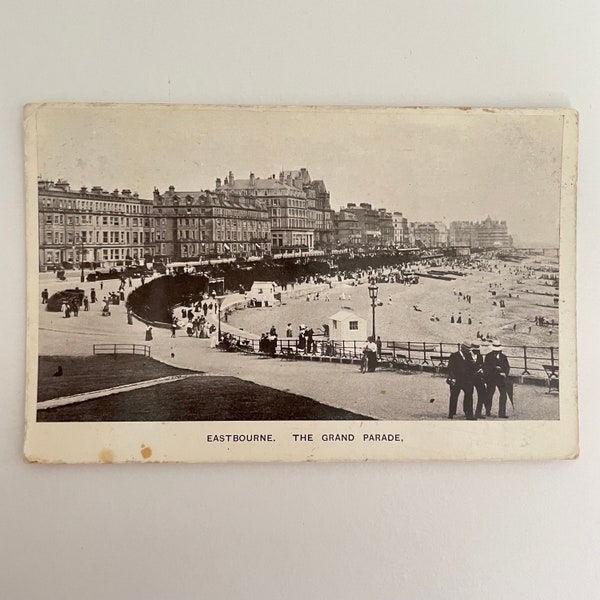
(353, 325)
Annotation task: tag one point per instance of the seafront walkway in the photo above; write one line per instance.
(385, 394)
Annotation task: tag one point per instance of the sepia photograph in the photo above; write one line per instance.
(300, 283)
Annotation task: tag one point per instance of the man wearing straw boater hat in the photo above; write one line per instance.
(496, 370)
(460, 379)
(483, 398)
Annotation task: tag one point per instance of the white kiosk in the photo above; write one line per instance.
(262, 293)
(347, 325)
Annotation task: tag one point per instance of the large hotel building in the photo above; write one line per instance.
(190, 225)
(92, 225)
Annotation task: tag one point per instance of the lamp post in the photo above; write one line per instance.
(373, 289)
(219, 300)
(81, 260)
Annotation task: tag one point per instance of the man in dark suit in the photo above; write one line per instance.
(460, 379)
(483, 399)
(496, 370)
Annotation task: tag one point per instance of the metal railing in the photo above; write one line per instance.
(523, 360)
(139, 349)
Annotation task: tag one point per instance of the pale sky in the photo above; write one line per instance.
(455, 165)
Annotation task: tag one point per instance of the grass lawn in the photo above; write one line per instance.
(195, 399)
(88, 373)
(199, 399)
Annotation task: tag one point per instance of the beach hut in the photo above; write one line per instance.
(262, 293)
(347, 325)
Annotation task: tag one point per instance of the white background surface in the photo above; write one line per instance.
(468, 530)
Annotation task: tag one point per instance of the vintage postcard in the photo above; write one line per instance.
(255, 283)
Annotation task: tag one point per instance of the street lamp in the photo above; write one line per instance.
(219, 300)
(373, 289)
(81, 260)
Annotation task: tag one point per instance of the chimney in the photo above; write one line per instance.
(281, 177)
(231, 178)
(251, 178)
(218, 183)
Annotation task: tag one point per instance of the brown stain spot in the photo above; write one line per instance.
(382, 391)
(146, 451)
(490, 110)
(107, 456)
(464, 107)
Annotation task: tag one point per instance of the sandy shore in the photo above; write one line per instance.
(397, 319)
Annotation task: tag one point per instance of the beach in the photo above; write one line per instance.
(423, 312)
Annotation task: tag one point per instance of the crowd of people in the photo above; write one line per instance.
(469, 371)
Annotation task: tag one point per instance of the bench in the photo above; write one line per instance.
(439, 361)
(289, 353)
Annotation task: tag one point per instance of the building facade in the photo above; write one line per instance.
(290, 212)
(204, 224)
(368, 223)
(400, 224)
(346, 229)
(319, 212)
(299, 208)
(94, 227)
(475, 234)
(428, 234)
(386, 227)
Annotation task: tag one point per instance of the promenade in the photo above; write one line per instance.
(387, 395)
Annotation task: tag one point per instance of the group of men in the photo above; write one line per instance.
(468, 370)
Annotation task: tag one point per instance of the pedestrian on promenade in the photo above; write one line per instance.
(45, 296)
(173, 327)
(86, 304)
(370, 350)
(378, 344)
(460, 379)
(129, 316)
(148, 334)
(483, 399)
(309, 340)
(93, 296)
(301, 339)
(496, 369)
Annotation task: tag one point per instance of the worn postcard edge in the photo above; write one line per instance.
(429, 440)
